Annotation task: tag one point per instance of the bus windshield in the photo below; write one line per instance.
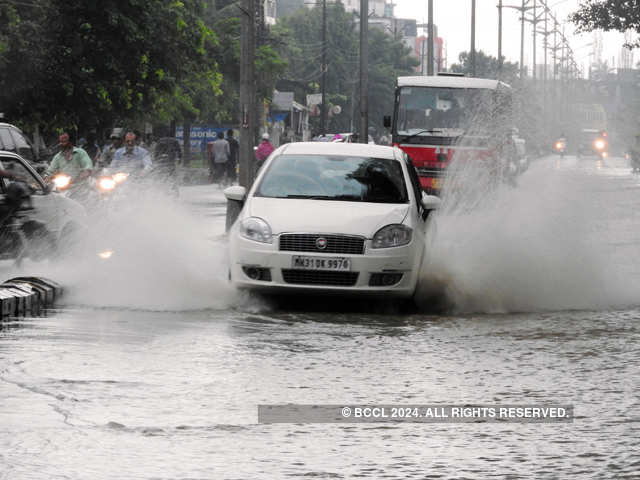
(437, 111)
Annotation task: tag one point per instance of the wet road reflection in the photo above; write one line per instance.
(130, 392)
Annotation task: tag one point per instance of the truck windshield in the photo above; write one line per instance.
(440, 111)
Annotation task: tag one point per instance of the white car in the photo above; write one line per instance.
(331, 218)
(55, 216)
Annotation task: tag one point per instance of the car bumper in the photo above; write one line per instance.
(369, 273)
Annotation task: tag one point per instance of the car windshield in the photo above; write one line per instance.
(434, 111)
(334, 177)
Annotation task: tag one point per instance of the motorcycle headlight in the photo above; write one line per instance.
(120, 177)
(61, 181)
(599, 144)
(394, 235)
(106, 184)
(256, 229)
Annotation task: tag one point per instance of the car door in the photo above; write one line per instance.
(45, 205)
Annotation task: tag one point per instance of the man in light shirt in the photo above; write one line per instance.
(131, 156)
(70, 160)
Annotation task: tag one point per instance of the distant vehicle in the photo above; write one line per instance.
(12, 139)
(335, 218)
(348, 137)
(593, 142)
(436, 116)
(55, 216)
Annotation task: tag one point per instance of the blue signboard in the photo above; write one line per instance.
(200, 136)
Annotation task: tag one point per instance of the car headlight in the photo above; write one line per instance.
(256, 229)
(394, 235)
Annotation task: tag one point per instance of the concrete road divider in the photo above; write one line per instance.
(27, 295)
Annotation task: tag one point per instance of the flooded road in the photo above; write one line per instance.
(153, 368)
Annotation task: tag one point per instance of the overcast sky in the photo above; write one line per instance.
(453, 19)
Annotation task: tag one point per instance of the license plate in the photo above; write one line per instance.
(321, 263)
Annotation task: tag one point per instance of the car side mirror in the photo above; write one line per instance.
(430, 202)
(236, 193)
(386, 121)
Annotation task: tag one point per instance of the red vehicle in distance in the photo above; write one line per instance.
(436, 117)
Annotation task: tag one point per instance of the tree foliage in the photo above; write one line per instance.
(90, 63)
(608, 15)
(487, 66)
(300, 43)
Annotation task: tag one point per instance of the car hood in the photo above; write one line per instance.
(325, 216)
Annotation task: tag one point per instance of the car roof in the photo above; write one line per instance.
(450, 82)
(338, 148)
(4, 124)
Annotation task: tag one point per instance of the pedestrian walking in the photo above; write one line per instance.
(221, 156)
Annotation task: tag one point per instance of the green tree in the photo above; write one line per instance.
(93, 63)
(300, 44)
(486, 67)
(608, 15)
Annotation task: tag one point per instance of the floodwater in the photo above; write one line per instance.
(153, 368)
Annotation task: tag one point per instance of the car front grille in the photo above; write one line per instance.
(319, 277)
(306, 242)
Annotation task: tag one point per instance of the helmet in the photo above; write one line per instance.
(265, 136)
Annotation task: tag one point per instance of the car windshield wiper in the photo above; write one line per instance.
(420, 132)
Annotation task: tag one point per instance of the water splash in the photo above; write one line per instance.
(535, 247)
(165, 258)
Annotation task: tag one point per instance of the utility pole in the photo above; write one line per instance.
(500, 38)
(522, 40)
(534, 21)
(430, 44)
(364, 65)
(247, 92)
(323, 81)
(473, 38)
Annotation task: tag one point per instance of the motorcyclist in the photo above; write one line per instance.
(106, 157)
(131, 156)
(70, 160)
(561, 144)
(264, 150)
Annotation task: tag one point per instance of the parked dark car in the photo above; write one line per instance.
(12, 139)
